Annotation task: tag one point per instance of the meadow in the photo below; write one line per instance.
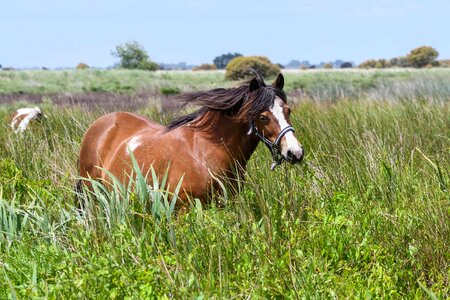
(366, 215)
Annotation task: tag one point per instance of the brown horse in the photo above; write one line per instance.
(199, 147)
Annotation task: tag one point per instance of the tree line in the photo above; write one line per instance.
(133, 55)
(424, 56)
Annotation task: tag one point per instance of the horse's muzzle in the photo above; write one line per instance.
(293, 157)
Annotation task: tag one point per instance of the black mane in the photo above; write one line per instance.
(239, 102)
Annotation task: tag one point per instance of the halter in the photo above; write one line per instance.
(273, 147)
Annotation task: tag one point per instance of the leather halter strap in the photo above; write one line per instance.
(274, 147)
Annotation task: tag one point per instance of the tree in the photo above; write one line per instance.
(346, 64)
(422, 56)
(133, 56)
(222, 60)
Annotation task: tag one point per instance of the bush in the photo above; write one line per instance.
(445, 63)
(169, 90)
(241, 67)
(328, 66)
(374, 63)
(422, 56)
(82, 66)
(148, 65)
(205, 67)
(401, 62)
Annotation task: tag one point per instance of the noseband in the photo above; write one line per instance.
(274, 147)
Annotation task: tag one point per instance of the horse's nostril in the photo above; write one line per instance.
(290, 155)
(294, 157)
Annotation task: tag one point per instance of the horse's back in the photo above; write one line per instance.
(105, 135)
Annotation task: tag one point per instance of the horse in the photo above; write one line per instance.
(199, 147)
(22, 117)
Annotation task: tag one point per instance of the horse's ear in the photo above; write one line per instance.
(254, 85)
(279, 82)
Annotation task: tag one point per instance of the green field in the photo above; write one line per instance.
(367, 215)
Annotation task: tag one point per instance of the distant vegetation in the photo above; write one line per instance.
(176, 66)
(132, 55)
(82, 66)
(328, 66)
(420, 57)
(222, 61)
(205, 67)
(374, 63)
(241, 67)
(303, 65)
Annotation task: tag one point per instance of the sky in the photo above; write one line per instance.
(58, 33)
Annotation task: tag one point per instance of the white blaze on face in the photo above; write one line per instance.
(133, 143)
(26, 114)
(288, 142)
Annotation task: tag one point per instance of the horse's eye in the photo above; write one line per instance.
(263, 118)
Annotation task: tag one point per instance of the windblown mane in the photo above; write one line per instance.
(238, 103)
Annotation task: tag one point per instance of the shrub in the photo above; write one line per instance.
(205, 67)
(148, 65)
(169, 90)
(328, 66)
(445, 63)
(241, 67)
(82, 66)
(374, 63)
(401, 62)
(422, 56)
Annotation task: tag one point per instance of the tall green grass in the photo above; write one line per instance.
(365, 216)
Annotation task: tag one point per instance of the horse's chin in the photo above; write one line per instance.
(293, 160)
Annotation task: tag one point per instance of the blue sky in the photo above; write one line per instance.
(63, 33)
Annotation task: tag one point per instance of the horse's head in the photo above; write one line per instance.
(272, 125)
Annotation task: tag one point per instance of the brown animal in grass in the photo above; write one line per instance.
(198, 148)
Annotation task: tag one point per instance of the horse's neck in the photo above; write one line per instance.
(234, 138)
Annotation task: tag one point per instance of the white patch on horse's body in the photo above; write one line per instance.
(23, 117)
(292, 143)
(133, 143)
